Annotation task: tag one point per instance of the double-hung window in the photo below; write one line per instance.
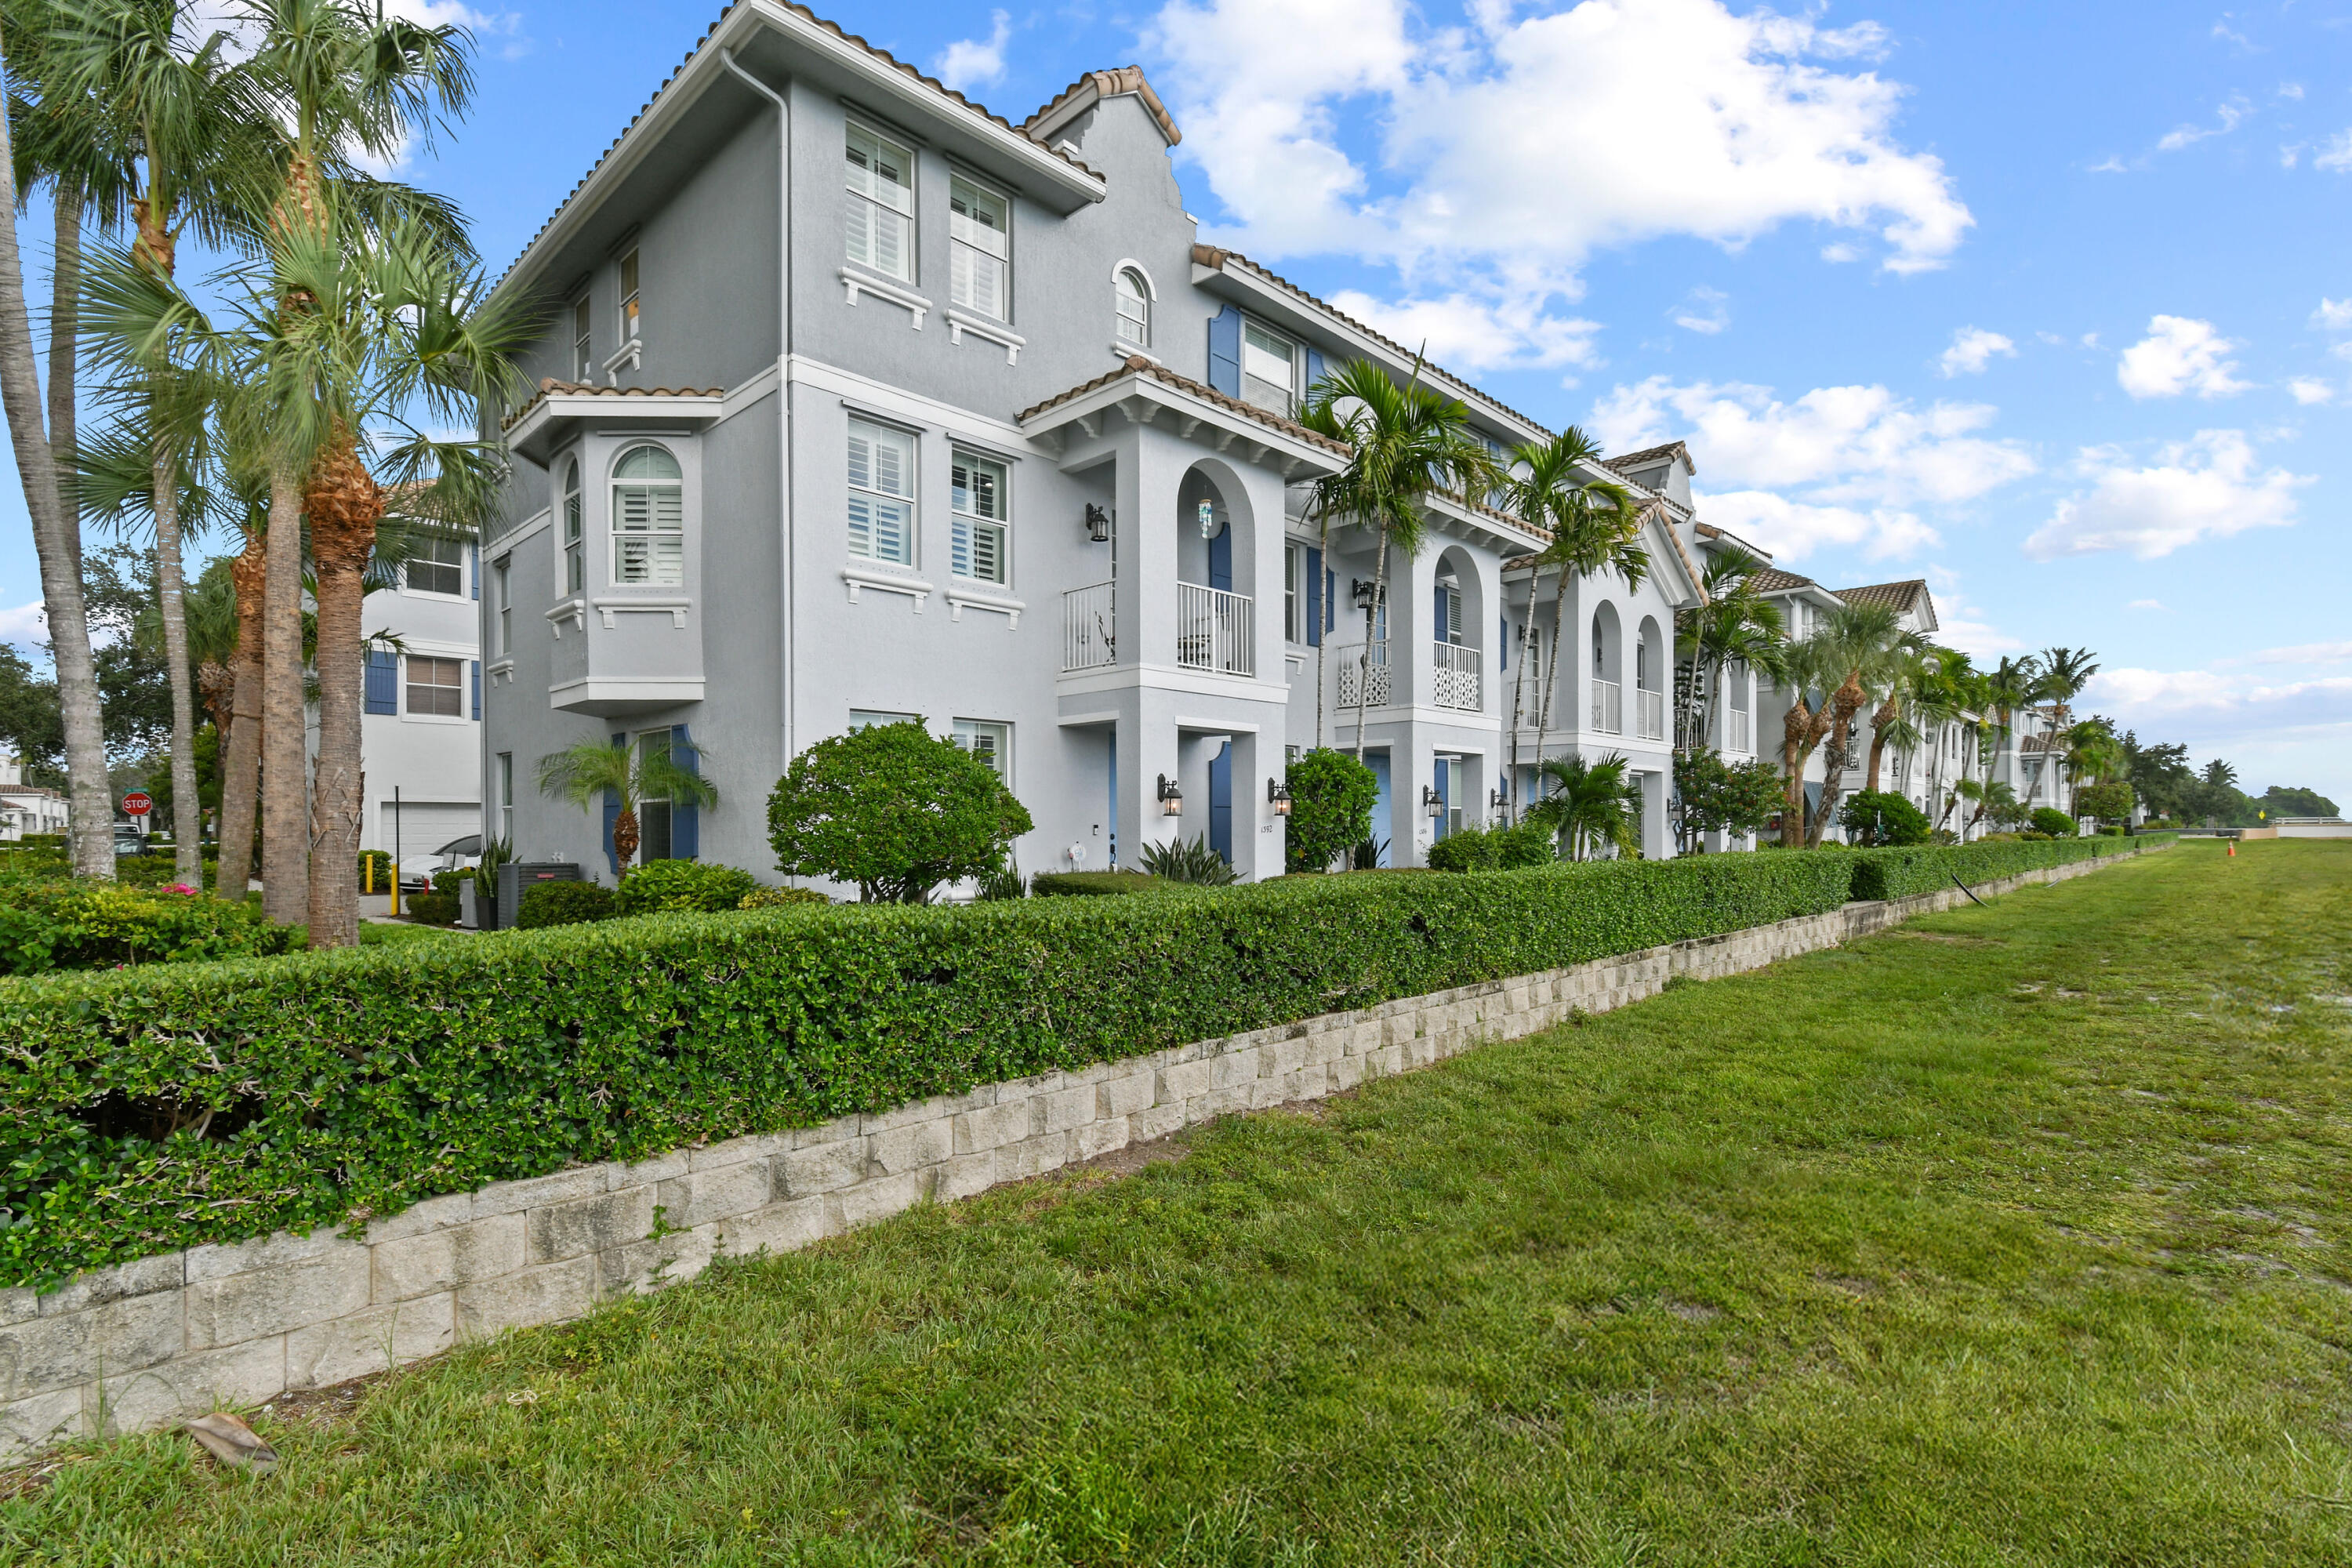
(436, 687)
(629, 321)
(506, 798)
(980, 249)
(438, 566)
(653, 816)
(868, 718)
(575, 557)
(978, 540)
(881, 205)
(584, 361)
(881, 493)
(1134, 300)
(503, 580)
(648, 519)
(1269, 369)
(1294, 597)
(990, 743)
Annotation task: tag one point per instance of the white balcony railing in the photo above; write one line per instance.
(1649, 712)
(1456, 676)
(1089, 619)
(1351, 661)
(1213, 630)
(1737, 734)
(1608, 708)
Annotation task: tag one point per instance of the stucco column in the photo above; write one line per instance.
(1412, 769)
(1259, 835)
(1657, 836)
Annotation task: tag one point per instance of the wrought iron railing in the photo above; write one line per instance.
(1213, 630)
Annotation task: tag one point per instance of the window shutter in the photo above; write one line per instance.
(1503, 643)
(1314, 597)
(1330, 599)
(474, 567)
(613, 814)
(685, 817)
(478, 691)
(1313, 369)
(1225, 351)
(382, 681)
(1221, 560)
(1439, 619)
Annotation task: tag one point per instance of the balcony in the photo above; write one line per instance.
(1456, 681)
(1738, 735)
(1608, 708)
(1649, 713)
(1089, 627)
(1214, 630)
(1351, 663)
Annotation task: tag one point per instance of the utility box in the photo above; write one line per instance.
(517, 878)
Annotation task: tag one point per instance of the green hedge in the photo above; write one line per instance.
(360, 1082)
(64, 925)
(1930, 868)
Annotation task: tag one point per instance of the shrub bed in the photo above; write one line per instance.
(144, 1112)
(49, 926)
(1900, 873)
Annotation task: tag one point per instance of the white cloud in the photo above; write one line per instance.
(2291, 91)
(2149, 604)
(1964, 624)
(2090, 340)
(2304, 653)
(2310, 389)
(2204, 488)
(2230, 114)
(2336, 315)
(969, 63)
(2206, 707)
(2178, 354)
(1513, 147)
(2337, 156)
(26, 625)
(1793, 530)
(1703, 310)
(1471, 331)
(1971, 349)
(2110, 165)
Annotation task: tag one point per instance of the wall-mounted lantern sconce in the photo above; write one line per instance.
(1098, 524)
(1277, 795)
(1363, 590)
(1171, 796)
(1431, 802)
(1500, 795)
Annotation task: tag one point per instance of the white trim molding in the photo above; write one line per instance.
(959, 596)
(960, 321)
(574, 610)
(915, 588)
(633, 351)
(854, 282)
(675, 608)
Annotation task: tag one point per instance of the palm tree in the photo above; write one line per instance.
(1591, 804)
(1406, 443)
(1594, 529)
(592, 774)
(1864, 646)
(1735, 627)
(53, 543)
(2065, 671)
(1915, 704)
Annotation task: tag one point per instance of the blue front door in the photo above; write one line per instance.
(1221, 803)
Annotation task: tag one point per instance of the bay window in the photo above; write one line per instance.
(648, 519)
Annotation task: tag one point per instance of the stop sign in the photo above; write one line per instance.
(137, 804)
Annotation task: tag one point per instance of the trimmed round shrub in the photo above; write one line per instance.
(780, 898)
(563, 904)
(687, 887)
(1881, 819)
(431, 909)
(2050, 820)
(1332, 799)
(1465, 849)
(894, 809)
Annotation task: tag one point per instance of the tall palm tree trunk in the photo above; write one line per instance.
(285, 819)
(1878, 723)
(1836, 758)
(92, 809)
(1364, 664)
(1550, 693)
(1518, 710)
(1796, 726)
(170, 593)
(1322, 612)
(343, 505)
(241, 757)
(65, 325)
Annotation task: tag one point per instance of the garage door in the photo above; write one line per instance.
(423, 828)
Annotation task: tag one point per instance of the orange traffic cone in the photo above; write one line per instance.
(2234, 849)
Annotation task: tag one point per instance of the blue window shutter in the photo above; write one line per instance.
(474, 567)
(478, 691)
(382, 681)
(1314, 370)
(1330, 599)
(1221, 560)
(613, 814)
(685, 817)
(1314, 597)
(1437, 623)
(1225, 351)
(1503, 645)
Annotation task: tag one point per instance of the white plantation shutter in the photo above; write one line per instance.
(648, 520)
(881, 492)
(981, 249)
(977, 487)
(882, 203)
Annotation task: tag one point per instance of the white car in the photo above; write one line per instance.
(457, 855)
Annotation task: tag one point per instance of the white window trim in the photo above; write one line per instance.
(631, 339)
(984, 590)
(409, 717)
(434, 594)
(583, 364)
(1003, 769)
(1151, 307)
(913, 214)
(855, 280)
(886, 582)
(1297, 360)
(615, 533)
(960, 321)
(975, 182)
(960, 598)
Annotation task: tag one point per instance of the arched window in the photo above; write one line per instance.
(1134, 307)
(648, 519)
(575, 560)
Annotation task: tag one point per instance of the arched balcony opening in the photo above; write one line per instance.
(1608, 708)
(1651, 672)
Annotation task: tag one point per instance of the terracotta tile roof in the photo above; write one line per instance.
(1773, 579)
(1708, 530)
(834, 29)
(1138, 365)
(1647, 456)
(1107, 84)
(1893, 596)
(551, 388)
(1213, 255)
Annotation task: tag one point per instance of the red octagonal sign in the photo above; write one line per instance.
(137, 804)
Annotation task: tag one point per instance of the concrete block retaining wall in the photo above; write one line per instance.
(136, 1345)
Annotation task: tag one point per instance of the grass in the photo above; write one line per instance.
(2016, 1235)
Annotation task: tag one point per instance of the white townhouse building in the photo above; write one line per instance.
(861, 403)
(27, 808)
(421, 726)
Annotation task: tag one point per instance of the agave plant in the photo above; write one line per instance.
(1181, 862)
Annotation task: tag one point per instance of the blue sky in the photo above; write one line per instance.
(2050, 304)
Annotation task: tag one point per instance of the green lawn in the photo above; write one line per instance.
(2018, 1235)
